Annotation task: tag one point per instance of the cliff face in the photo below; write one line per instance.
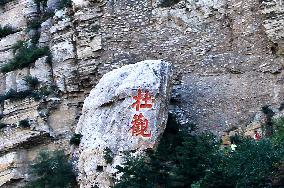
(227, 58)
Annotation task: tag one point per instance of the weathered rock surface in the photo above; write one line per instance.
(107, 115)
(8, 168)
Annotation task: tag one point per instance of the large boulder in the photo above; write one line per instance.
(107, 121)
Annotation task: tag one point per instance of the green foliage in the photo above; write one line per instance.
(24, 56)
(95, 28)
(39, 2)
(52, 170)
(137, 172)
(169, 3)
(6, 30)
(49, 59)
(14, 95)
(186, 160)
(236, 139)
(2, 125)
(155, 168)
(19, 44)
(34, 23)
(196, 155)
(108, 155)
(37, 94)
(24, 123)
(268, 128)
(65, 4)
(31, 81)
(35, 38)
(3, 2)
(249, 166)
(278, 136)
(76, 139)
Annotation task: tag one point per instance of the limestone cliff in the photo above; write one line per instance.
(227, 58)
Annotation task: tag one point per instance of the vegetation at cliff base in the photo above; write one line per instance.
(186, 160)
(51, 170)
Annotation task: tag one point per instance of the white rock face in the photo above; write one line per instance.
(8, 168)
(21, 83)
(107, 116)
(11, 81)
(42, 71)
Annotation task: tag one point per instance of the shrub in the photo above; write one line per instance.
(35, 38)
(37, 94)
(6, 30)
(249, 166)
(65, 3)
(3, 2)
(34, 23)
(24, 123)
(2, 125)
(236, 139)
(49, 60)
(268, 128)
(95, 28)
(278, 136)
(108, 155)
(76, 139)
(15, 96)
(195, 156)
(157, 167)
(43, 2)
(169, 3)
(24, 57)
(137, 172)
(19, 44)
(31, 81)
(51, 169)
(186, 160)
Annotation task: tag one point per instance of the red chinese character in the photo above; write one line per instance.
(140, 126)
(146, 98)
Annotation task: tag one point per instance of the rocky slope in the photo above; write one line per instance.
(227, 58)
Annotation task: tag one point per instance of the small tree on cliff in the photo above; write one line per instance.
(51, 170)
